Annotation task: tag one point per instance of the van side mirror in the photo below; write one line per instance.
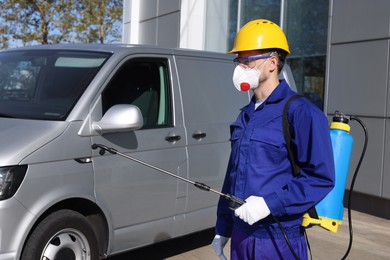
(119, 118)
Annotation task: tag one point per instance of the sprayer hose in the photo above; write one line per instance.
(353, 184)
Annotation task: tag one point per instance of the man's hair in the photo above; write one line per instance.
(282, 55)
(282, 58)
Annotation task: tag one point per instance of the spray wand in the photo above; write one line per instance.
(235, 202)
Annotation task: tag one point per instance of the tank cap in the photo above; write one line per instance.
(340, 117)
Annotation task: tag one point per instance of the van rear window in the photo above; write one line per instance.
(45, 84)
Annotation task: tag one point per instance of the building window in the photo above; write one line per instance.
(243, 11)
(306, 27)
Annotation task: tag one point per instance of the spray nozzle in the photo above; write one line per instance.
(340, 117)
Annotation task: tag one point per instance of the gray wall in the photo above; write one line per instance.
(358, 84)
(160, 22)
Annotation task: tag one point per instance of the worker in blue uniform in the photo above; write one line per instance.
(259, 169)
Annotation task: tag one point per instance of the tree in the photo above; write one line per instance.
(39, 21)
(99, 18)
(59, 21)
(3, 37)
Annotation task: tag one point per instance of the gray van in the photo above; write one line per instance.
(169, 108)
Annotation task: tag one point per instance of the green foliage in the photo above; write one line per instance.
(30, 22)
(98, 20)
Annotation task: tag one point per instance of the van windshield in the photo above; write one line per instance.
(45, 84)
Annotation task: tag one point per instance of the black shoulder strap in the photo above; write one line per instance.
(287, 136)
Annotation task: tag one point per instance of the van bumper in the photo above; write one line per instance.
(15, 222)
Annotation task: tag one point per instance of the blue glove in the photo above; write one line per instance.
(218, 244)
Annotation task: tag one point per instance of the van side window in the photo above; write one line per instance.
(144, 83)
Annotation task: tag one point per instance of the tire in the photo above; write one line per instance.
(63, 235)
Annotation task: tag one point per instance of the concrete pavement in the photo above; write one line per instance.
(371, 241)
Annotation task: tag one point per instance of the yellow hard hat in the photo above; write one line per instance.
(258, 35)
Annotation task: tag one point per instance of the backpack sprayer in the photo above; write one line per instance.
(329, 211)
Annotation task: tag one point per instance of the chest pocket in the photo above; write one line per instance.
(236, 131)
(235, 139)
(267, 148)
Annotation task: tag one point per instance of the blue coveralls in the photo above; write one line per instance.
(259, 165)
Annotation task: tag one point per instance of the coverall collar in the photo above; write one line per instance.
(279, 93)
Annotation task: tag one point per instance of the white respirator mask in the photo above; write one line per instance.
(245, 78)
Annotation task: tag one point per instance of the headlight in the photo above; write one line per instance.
(10, 179)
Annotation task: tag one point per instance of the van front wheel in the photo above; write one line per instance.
(64, 234)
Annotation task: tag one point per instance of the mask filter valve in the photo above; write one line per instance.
(245, 86)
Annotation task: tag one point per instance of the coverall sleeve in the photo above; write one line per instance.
(313, 148)
(224, 224)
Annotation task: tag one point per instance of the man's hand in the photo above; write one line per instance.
(218, 244)
(253, 210)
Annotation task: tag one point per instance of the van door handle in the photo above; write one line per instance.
(199, 135)
(173, 138)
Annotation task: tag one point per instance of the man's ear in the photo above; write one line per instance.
(274, 63)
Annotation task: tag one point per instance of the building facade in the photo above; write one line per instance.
(357, 83)
(339, 58)
(212, 25)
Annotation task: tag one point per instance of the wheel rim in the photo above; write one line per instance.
(67, 244)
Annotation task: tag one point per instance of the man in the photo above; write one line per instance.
(259, 170)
